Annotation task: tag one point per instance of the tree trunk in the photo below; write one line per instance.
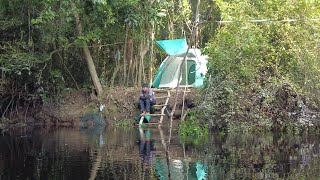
(125, 56)
(151, 56)
(130, 68)
(140, 66)
(136, 70)
(143, 51)
(171, 28)
(171, 22)
(92, 70)
(115, 72)
(88, 57)
(196, 40)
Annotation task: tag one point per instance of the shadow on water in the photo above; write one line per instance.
(101, 152)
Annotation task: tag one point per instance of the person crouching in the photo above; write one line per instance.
(147, 99)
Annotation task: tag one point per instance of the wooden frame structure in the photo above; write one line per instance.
(164, 106)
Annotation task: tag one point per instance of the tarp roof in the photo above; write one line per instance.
(173, 46)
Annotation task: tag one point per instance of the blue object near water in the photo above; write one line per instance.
(145, 120)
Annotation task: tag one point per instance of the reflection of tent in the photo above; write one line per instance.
(193, 70)
(181, 169)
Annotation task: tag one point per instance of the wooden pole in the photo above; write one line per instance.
(185, 89)
(164, 107)
(184, 59)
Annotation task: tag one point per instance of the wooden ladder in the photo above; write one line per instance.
(162, 114)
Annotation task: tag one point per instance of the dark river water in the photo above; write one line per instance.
(146, 153)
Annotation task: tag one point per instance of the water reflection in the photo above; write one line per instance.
(146, 147)
(144, 153)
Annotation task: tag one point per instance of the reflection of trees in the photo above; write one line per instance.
(19, 153)
(27, 155)
(257, 156)
(118, 155)
(67, 154)
(74, 154)
(96, 163)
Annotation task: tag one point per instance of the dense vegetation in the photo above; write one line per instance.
(260, 73)
(48, 47)
(264, 74)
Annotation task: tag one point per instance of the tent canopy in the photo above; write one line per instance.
(173, 46)
(193, 69)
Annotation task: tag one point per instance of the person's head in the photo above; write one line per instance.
(145, 87)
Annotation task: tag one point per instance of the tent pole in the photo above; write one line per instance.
(185, 89)
(177, 87)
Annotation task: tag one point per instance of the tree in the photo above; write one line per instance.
(255, 61)
(87, 54)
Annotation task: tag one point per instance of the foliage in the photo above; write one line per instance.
(123, 123)
(252, 65)
(261, 71)
(192, 131)
(220, 99)
(41, 50)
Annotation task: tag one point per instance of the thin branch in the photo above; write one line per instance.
(69, 72)
(97, 46)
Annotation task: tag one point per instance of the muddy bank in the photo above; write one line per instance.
(119, 104)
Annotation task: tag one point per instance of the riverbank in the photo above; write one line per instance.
(264, 105)
(119, 104)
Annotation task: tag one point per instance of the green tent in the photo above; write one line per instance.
(193, 70)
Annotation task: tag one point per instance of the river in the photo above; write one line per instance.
(145, 153)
